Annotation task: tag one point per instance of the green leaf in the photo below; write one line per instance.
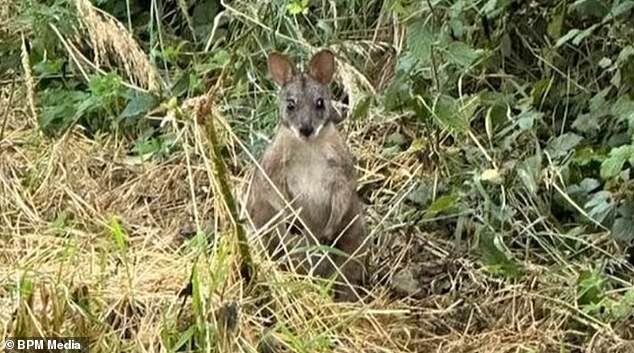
(623, 229)
(106, 87)
(557, 21)
(60, 108)
(452, 114)
(458, 27)
(362, 108)
(590, 8)
(139, 103)
(587, 155)
(567, 37)
(560, 146)
(494, 7)
(420, 40)
(598, 102)
(619, 10)
(529, 173)
(623, 110)
(598, 109)
(318, 249)
(624, 307)
(61, 221)
(421, 195)
(584, 188)
(584, 34)
(580, 192)
(492, 176)
(297, 7)
(396, 139)
(600, 205)
(90, 105)
(605, 62)
(495, 258)
(184, 338)
(441, 204)
(576, 36)
(119, 236)
(613, 165)
(586, 123)
(589, 288)
(527, 119)
(48, 67)
(589, 184)
(220, 58)
(26, 285)
(462, 54)
(540, 88)
(149, 146)
(625, 55)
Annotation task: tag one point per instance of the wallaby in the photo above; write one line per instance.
(309, 167)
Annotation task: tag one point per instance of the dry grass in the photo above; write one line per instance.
(63, 271)
(112, 44)
(139, 254)
(57, 203)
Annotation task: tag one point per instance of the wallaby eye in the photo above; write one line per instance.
(290, 105)
(319, 103)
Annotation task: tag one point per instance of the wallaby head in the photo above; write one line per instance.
(305, 105)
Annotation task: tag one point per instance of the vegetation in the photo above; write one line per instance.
(495, 147)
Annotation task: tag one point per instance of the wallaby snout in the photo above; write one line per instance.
(306, 130)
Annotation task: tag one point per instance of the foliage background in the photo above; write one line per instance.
(495, 148)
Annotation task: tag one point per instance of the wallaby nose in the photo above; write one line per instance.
(306, 130)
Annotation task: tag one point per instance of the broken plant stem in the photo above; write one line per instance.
(7, 109)
(247, 267)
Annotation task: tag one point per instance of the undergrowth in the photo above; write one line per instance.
(494, 141)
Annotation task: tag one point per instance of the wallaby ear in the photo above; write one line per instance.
(322, 66)
(281, 68)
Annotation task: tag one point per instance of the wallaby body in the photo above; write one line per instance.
(312, 169)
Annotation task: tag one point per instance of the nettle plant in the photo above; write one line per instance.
(532, 106)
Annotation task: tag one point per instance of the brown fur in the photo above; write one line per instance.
(315, 175)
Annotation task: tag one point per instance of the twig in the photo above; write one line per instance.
(434, 70)
(5, 115)
(434, 20)
(433, 12)
(30, 83)
(247, 266)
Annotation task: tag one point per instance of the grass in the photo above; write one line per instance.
(494, 204)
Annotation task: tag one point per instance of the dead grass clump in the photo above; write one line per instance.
(29, 82)
(93, 245)
(6, 14)
(113, 44)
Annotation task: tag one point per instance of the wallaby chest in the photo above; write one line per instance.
(310, 173)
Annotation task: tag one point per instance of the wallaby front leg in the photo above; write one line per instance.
(340, 203)
(353, 265)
